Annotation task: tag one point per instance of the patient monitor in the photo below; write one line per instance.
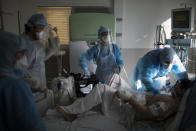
(182, 20)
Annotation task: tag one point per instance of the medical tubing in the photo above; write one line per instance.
(125, 72)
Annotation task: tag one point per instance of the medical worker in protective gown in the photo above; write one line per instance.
(18, 110)
(105, 54)
(33, 63)
(151, 70)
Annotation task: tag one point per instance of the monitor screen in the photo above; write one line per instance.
(182, 20)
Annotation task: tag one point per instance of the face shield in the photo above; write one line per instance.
(105, 37)
(167, 65)
(167, 57)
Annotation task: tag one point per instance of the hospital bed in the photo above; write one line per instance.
(88, 121)
(44, 101)
(95, 121)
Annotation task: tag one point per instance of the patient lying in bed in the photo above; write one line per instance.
(140, 107)
(157, 107)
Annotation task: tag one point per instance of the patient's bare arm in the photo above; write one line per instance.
(163, 106)
(158, 107)
(142, 112)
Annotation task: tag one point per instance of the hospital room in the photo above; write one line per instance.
(98, 65)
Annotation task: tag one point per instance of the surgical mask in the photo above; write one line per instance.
(40, 35)
(106, 39)
(21, 63)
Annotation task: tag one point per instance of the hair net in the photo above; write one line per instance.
(36, 19)
(167, 54)
(101, 30)
(9, 46)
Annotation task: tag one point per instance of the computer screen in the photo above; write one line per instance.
(182, 20)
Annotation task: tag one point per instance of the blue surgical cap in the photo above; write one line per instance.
(167, 54)
(9, 46)
(101, 30)
(36, 19)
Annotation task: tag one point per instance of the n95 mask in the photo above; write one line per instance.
(41, 35)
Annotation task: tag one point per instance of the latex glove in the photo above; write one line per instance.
(86, 72)
(52, 47)
(124, 95)
(117, 69)
(53, 43)
(33, 81)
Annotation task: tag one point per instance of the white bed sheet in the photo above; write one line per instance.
(89, 121)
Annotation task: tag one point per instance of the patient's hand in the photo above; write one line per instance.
(123, 95)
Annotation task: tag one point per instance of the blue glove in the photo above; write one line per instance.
(86, 72)
(155, 92)
(169, 86)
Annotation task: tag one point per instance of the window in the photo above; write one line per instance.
(58, 17)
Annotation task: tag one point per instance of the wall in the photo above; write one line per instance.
(104, 3)
(140, 18)
(16, 13)
(10, 14)
(26, 8)
(194, 5)
(139, 21)
(118, 13)
(29, 7)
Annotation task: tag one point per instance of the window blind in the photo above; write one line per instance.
(58, 17)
